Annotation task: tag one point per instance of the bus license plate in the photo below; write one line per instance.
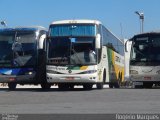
(70, 78)
(147, 78)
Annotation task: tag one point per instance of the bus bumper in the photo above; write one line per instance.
(145, 78)
(17, 78)
(77, 79)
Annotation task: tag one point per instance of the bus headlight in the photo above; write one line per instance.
(29, 73)
(133, 72)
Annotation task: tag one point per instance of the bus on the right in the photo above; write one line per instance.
(144, 64)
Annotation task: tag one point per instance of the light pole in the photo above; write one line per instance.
(4, 23)
(141, 17)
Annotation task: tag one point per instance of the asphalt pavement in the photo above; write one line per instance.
(79, 101)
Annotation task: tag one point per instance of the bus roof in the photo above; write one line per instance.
(31, 27)
(148, 33)
(21, 28)
(144, 34)
(76, 21)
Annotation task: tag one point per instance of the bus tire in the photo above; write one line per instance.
(12, 86)
(71, 86)
(63, 86)
(45, 86)
(116, 85)
(99, 85)
(111, 85)
(87, 86)
(147, 85)
(119, 80)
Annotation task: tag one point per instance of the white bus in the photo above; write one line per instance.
(83, 52)
(22, 57)
(145, 60)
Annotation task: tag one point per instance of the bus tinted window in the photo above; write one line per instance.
(112, 42)
(72, 30)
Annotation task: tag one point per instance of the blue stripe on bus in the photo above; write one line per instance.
(14, 71)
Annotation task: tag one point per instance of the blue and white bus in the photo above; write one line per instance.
(22, 57)
(83, 52)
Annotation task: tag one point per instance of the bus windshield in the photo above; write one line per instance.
(72, 51)
(17, 49)
(145, 51)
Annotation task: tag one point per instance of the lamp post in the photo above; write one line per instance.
(141, 17)
(4, 23)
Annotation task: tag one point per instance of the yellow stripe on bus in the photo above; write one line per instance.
(83, 67)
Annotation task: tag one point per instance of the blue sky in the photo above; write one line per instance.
(114, 14)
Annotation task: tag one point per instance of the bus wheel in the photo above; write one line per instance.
(116, 85)
(119, 83)
(99, 85)
(87, 86)
(111, 85)
(71, 86)
(45, 86)
(63, 86)
(147, 85)
(12, 86)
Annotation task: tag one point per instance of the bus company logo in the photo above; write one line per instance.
(69, 71)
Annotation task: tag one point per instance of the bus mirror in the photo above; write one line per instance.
(126, 46)
(98, 39)
(41, 41)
